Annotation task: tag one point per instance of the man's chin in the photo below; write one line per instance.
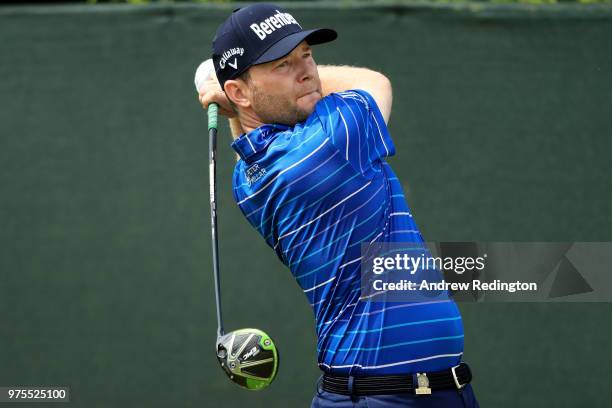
(287, 113)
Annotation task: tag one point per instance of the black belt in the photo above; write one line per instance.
(455, 377)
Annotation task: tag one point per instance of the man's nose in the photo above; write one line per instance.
(305, 71)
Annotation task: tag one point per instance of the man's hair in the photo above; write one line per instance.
(246, 77)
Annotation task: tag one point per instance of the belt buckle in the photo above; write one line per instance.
(423, 384)
(459, 385)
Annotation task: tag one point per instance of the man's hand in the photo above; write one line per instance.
(211, 92)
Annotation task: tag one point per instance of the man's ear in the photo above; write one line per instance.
(238, 92)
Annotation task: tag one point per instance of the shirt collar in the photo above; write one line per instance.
(249, 144)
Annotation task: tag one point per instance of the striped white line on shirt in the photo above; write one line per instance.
(339, 238)
(335, 223)
(303, 209)
(350, 262)
(373, 294)
(284, 171)
(320, 198)
(416, 360)
(376, 237)
(397, 307)
(251, 144)
(395, 326)
(358, 136)
(292, 182)
(351, 277)
(347, 132)
(322, 214)
(320, 301)
(360, 98)
(342, 266)
(400, 231)
(279, 146)
(329, 262)
(377, 125)
(355, 96)
(400, 213)
(394, 345)
(319, 285)
(337, 297)
(335, 319)
(380, 134)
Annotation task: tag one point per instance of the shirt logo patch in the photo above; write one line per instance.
(254, 173)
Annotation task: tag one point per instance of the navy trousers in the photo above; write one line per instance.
(451, 398)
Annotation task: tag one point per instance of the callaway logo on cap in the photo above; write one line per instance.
(257, 34)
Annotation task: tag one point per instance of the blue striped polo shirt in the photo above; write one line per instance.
(315, 192)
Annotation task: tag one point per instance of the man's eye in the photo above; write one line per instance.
(282, 64)
(307, 55)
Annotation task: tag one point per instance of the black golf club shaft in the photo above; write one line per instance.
(212, 177)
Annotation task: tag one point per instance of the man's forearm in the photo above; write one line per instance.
(340, 78)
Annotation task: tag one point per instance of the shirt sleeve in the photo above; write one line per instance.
(355, 126)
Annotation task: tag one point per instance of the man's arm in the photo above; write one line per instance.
(342, 78)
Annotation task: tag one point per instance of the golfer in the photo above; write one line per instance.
(313, 181)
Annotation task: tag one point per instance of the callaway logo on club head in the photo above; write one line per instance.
(251, 353)
(228, 54)
(270, 24)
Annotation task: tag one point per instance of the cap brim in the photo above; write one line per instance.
(287, 44)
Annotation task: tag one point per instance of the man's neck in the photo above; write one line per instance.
(249, 121)
(244, 123)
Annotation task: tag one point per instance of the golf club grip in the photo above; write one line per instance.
(212, 177)
(213, 110)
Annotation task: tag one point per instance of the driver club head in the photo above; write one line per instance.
(248, 357)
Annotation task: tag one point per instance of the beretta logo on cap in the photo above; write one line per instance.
(270, 24)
